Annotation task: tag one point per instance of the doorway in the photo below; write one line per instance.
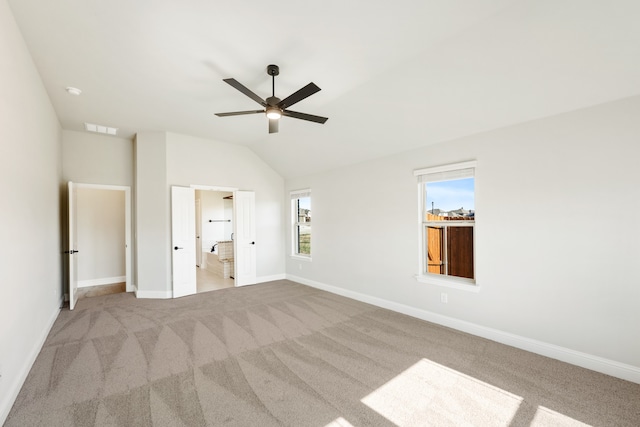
(215, 253)
(99, 248)
(184, 241)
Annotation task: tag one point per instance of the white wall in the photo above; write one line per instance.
(167, 159)
(153, 238)
(101, 236)
(200, 161)
(91, 158)
(557, 240)
(30, 176)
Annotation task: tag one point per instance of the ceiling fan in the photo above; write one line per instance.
(274, 107)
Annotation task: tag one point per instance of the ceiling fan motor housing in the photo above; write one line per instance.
(273, 101)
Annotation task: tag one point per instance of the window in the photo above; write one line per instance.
(447, 222)
(301, 219)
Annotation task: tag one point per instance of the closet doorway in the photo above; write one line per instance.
(99, 240)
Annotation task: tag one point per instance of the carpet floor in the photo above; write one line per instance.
(284, 354)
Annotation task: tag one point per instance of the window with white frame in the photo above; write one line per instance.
(447, 222)
(301, 220)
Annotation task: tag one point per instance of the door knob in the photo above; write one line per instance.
(253, 243)
(177, 247)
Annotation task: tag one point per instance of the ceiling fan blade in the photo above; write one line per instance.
(273, 125)
(298, 96)
(239, 113)
(236, 84)
(303, 116)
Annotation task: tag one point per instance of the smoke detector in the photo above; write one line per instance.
(73, 91)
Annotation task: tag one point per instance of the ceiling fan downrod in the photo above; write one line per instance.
(273, 71)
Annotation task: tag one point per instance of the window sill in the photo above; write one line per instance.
(449, 282)
(301, 258)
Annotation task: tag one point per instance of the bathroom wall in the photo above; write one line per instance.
(214, 207)
(228, 214)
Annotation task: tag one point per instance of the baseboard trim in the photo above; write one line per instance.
(19, 380)
(585, 360)
(101, 281)
(153, 294)
(273, 277)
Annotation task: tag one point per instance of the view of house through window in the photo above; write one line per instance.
(301, 213)
(448, 221)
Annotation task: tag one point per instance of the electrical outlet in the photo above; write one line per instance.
(444, 298)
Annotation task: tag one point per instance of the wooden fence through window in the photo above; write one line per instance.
(459, 247)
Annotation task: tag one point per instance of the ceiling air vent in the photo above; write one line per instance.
(100, 129)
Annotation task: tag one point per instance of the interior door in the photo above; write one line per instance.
(183, 241)
(245, 237)
(73, 244)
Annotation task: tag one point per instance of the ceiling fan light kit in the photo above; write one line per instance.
(274, 108)
(274, 113)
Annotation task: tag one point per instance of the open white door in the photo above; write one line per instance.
(183, 241)
(245, 237)
(73, 244)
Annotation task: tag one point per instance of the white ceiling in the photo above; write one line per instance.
(395, 75)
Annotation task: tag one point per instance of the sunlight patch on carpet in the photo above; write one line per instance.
(339, 422)
(549, 417)
(430, 391)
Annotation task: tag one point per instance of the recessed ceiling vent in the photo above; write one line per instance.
(100, 129)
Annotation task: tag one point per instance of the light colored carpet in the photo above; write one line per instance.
(96, 291)
(285, 354)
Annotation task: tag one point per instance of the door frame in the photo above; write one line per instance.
(226, 190)
(127, 223)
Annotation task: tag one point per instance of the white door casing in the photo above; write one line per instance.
(245, 237)
(199, 234)
(73, 243)
(183, 241)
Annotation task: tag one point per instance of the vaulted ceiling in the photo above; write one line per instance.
(394, 75)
